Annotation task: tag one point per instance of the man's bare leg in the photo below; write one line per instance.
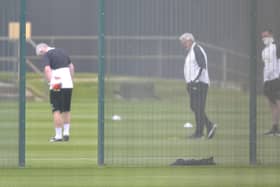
(58, 124)
(66, 125)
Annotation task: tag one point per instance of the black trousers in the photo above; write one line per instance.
(198, 95)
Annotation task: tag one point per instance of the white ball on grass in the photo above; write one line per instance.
(188, 125)
(116, 118)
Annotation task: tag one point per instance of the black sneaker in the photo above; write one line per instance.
(211, 132)
(195, 136)
(66, 138)
(274, 131)
(271, 132)
(53, 139)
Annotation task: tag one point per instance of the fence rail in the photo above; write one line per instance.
(219, 65)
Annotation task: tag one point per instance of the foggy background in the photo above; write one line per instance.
(73, 25)
(142, 41)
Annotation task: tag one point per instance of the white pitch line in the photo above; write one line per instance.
(56, 159)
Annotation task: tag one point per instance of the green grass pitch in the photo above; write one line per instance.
(151, 130)
(73, 164)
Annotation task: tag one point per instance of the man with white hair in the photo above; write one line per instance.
(59, 71)
(197, 79)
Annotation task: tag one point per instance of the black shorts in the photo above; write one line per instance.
(272, 90)
(61, 100)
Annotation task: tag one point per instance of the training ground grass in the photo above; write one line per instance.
(73, 163)
(141, 177)
(151, 131)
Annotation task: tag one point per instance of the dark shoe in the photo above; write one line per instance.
(53, 139)
(212, 131)
(271, 132)
(195, 136)
(66, 138)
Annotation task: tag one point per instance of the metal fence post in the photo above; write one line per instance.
(22, 72)
(101, 59)
(253, 82)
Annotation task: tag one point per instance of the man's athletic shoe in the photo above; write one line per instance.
(272, 132)
(195, 136)
(211, 132)
(66, 138)
(53, 139)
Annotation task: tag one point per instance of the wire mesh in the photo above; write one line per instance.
(267, 144)
(9, 61)
(147, 106)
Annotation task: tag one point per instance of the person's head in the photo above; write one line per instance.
(187, 40)
(267, 37)
(41, 49)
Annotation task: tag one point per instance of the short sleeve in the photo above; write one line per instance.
(46, 60)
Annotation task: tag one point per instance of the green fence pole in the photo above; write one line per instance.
(22, 69)
(253, 84)
(101, 59)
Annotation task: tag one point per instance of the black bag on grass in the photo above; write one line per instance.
(194, 162)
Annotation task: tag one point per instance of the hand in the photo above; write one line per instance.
(193, 85)
(56, 87)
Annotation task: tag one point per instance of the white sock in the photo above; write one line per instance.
(66, 131)
(58, 133)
